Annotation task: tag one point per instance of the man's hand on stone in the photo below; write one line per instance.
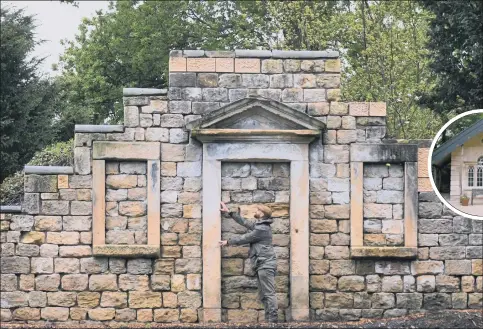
(224, 208)
(222, 243)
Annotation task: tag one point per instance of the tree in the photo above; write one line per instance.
(26, 98)
(129, 45)
(456, 50)
(382, 46)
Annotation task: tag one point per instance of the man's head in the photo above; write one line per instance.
(263, 212)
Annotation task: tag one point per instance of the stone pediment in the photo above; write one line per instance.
(256, 119)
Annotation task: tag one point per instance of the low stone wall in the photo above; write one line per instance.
(447, 274)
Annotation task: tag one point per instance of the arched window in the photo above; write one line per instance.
(471, 175)
(479, 172)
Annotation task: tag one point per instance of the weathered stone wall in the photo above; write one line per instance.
(383, 205)
(126, 221)
(49, 272)
(447, 273)
(243, 185)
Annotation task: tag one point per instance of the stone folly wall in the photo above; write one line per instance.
(383, 205)
(243, 185)
(49, 271)
(126, 221)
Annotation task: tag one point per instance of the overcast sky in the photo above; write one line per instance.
(56, 21)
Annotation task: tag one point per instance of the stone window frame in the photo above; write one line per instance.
(384, 153)
(119, 151)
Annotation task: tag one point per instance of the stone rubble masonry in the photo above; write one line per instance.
(49, 272)
(244, 184)
(383, 198)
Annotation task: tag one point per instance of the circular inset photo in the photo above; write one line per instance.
(456, 164)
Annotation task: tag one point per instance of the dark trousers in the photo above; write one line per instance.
(266, 291)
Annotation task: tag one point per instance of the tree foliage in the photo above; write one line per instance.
(26, 98)
(382, 44)
(58, 154)
(455, 47)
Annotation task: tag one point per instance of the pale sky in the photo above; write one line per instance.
(56, 21)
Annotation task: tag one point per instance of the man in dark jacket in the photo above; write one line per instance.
(262, 256)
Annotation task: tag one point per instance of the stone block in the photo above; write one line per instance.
(114, 299)
(144, 299)
(21, 223)
(314, 95)
(458, 267)
(475, 301)
(336, 153)
(49, 282)
(427, 267)
(55, 313)
(247, 65)
(224, 64)
(283, 81)
(31, 238)
(305, 81)
(76, 282)
(337, 252)
(386, 196)
(200, 65)
(393, 267)
(177, 64)
(55, 207)
(339, 300)
(215, 94)
(332, 65)
(37, 299)
(27, 282)
(431, 210)
(375, 210)
(131, 116)
(351, 283)
(103, 282)
(359, 109)
(157, 135)
(102, 314)
(444, 253)
(426, 283)
(437, 301)
(88, 299)
(323, 282)
(383, 300)
(26, 314)
(182, 80)
(392, 283)
(42, 265)
(189, 299)
(337, 211)
(12, 299)
(40, 183)
(346, 136)
(272, 66)
(31, 203)
(61, 298)
(446, 283)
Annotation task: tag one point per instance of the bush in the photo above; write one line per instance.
(11, 189)
(59, 154)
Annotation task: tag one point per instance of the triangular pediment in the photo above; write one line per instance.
(256, 113)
